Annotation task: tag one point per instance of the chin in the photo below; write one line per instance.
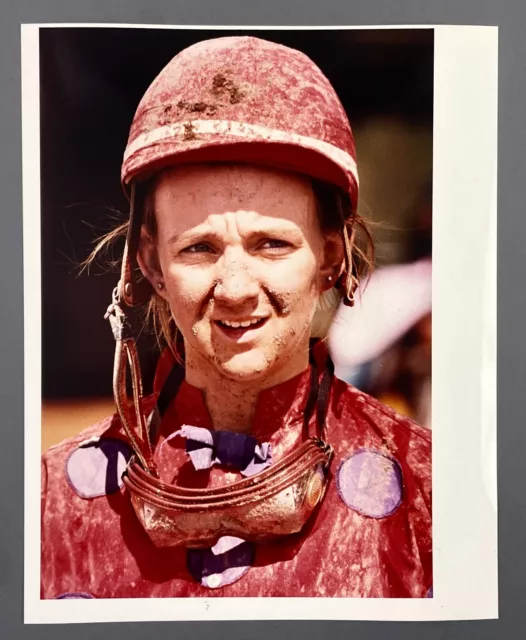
(247, 367)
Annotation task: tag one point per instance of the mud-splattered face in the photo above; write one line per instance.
(240, 253)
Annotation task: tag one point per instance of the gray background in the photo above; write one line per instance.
(511, 18)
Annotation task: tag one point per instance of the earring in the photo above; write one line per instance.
(160, 286)
(329, 278)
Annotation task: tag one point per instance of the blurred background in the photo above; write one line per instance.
(91, 82)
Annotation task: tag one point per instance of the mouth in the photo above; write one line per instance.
(243, 328)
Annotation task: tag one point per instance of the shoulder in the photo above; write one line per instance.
(383, 459)
(361, 423)
(88, 464)
(82, 502)
(107, 428)
(355, 405)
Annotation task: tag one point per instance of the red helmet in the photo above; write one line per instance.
(243, 99)
(247, 100)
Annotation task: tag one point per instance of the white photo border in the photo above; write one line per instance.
(465, 555)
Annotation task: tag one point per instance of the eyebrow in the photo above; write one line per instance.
(191, 235)
(197, 234)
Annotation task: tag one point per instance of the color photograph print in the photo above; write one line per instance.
(277, 440)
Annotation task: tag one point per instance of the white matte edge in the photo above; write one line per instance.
(464, 312)
(32, 313)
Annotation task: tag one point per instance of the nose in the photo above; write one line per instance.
(236, 283)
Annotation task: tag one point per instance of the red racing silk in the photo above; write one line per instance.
(370, 537)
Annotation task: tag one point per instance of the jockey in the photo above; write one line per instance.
(251, 470)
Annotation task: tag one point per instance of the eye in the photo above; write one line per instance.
(200, 247)
(274, 244)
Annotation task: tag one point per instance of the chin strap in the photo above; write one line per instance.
(130, 293)
(131, 411)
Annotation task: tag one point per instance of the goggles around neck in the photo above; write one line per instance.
(275, 502)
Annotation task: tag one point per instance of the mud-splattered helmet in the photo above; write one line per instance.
(241, 99)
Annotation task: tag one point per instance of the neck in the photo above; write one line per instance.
(231, 402)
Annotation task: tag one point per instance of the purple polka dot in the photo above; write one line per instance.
(74, 595)
(96, 467)
(370, 483)
(227, 561)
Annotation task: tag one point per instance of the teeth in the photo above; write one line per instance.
(236, 325)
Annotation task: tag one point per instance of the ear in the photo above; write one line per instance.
(333, 260)
(148, 260)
